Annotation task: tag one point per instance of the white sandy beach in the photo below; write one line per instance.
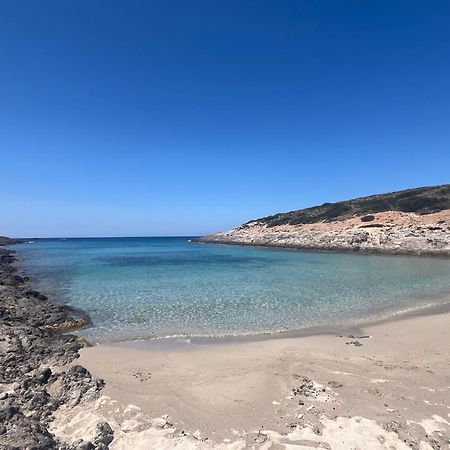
(392, 392)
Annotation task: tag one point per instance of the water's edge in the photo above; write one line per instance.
(351, 330)
(439, 304)
(324, 249)
(36, 365)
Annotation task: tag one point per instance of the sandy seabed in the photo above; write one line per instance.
(386, 388)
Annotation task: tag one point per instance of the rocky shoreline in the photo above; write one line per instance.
(409, 222)
(388, 232)
(37, 373)
(385, 388)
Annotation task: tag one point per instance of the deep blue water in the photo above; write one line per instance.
(144, 287)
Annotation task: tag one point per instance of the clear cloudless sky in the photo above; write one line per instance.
(178, 117)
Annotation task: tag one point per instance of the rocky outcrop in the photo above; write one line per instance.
(9, 241)
(36, 371)
(358, 225)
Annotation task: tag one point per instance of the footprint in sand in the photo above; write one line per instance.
(142, 376)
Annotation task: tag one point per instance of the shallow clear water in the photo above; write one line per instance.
(142, 287)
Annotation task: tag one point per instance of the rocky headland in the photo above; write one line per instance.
(409, 222)
(9, 241)
(37, 374)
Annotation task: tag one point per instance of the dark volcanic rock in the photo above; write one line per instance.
(44, 376)
(75, 385)
(35, 294)
(30, 342)
(25, 433)
(105, 434)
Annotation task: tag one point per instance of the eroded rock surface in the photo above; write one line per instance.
(35, 375)
(389, 232)
(409, 222)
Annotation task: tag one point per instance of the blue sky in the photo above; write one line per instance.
(182, 118)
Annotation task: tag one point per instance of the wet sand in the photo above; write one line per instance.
(391, 390)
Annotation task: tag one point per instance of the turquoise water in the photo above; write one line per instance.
(158, 287)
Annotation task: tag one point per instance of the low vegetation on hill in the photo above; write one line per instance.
(424, 200)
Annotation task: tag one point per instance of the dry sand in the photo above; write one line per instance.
(392, 392)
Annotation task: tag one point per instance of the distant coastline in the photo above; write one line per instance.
(232, 240)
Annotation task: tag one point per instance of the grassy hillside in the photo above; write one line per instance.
(424, 200)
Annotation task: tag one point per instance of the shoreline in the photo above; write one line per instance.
(387, 232)
(82, 319)
(435, 303)
(322, 249)
(184, 340)
(383, 386)
(390, 391)
(38, 376)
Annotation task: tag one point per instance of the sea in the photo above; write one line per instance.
(167, 288)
